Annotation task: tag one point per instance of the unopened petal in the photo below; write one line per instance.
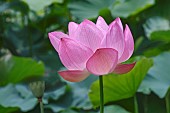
(103, 61)
(88, 34)
(123, 68)
(74, 75)
(129, 45)
(55, 38)
(73, 55)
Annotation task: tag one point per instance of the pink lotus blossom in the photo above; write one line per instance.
(93, 48)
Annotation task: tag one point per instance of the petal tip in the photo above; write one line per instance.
(118, 19)
(100, 17)
(126, 26)
(86, 21)
(50, 34)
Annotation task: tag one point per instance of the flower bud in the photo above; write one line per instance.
(37, 88)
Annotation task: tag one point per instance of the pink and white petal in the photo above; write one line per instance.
(73, 55)
(57, 34)
(119, 23)
(55, 42)
(74, 75)
(72, 26)
(114, 39)
(123, 68)
(55, 38)
(129, 45)
(88, 34)
(103, 61)
(102, 25)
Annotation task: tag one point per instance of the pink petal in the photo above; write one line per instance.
(102, 25)
(87, 33)
(74, 75)
(119, 22)
(114, 39)
(129, 45)
(103, 61)
(55, 38)
(123, 68)
(72, 26)
(73, 55)
(57, 34)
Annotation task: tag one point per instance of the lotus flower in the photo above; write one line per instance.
(93, 48)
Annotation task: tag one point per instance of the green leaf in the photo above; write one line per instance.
(15, 69)
(121, 8)
(156, 24)
(54, 95)
(161, 36)
(77, 111)
(80, 93)
(151, 84)
(7, 110)
(153, 52)
(160, 69)
(126, 8)
(161, 9)
(88, 8)
(69, 111)
(41, 4)
(114, 109)
(158, 80)
(75, 97)
(117, 87)
(17, 96)
(54, 91)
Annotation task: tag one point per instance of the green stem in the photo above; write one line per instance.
(101, 94)
(41, 106)
(167, 99)
(135, 104)
(145, 103)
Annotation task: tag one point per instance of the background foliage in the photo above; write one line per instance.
(26, 55)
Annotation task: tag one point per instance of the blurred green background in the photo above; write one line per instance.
(26, 55)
